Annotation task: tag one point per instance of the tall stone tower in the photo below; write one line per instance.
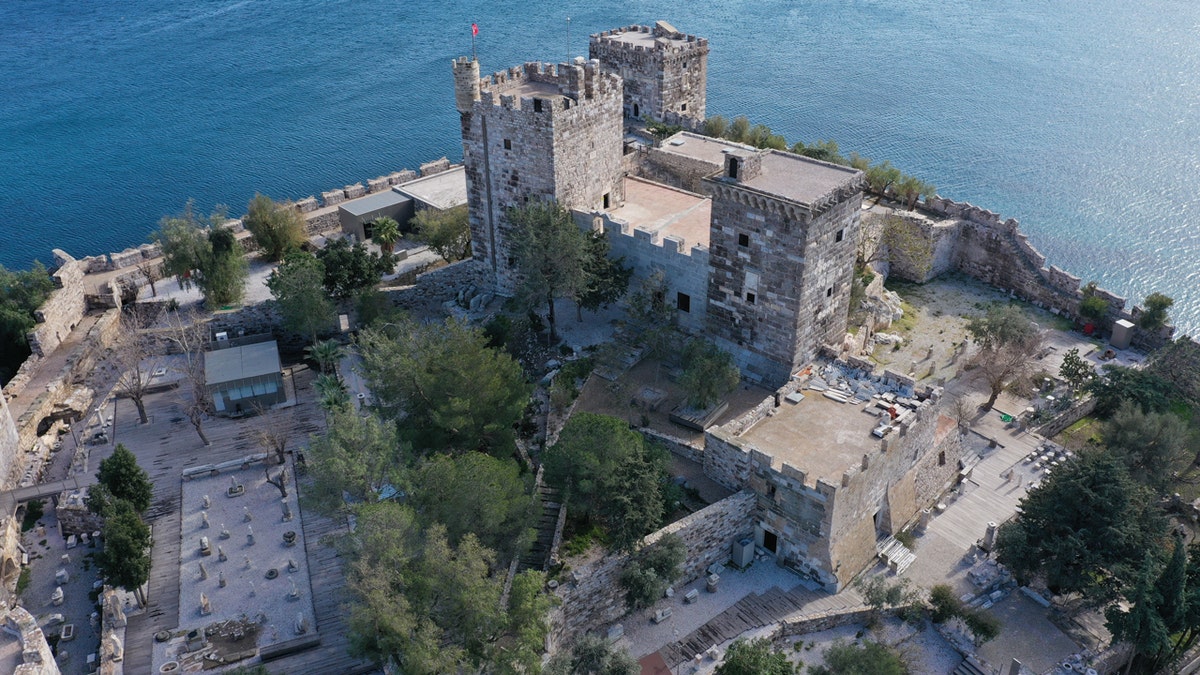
(536, 132)
(665, 71)
(781, 251)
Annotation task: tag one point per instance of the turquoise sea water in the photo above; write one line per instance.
(1080, 120)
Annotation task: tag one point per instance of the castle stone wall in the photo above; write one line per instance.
(9, 440)
(537, 132)
(665, 72)
(598, 599)
(684, 264)
(780, 277)
(65, 307)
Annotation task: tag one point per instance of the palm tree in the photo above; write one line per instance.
(326, 353)
(331, 393)
(385, 232)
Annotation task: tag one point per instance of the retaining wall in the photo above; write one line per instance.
(597, 598)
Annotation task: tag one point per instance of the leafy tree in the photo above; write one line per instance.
(648, 574)
(121, 479)
(1140, 625)
(716, 126)
(21, 293)
(351, 269)
(124, 560)
(739, 130)
(297, 287)
(206, 254)
(1075, 370)
(450, 389)
(528, 606)
(385, 232)
(1008, 343)
(355, 457)
(661, 130)
(983, 626)
(1154, 315)
(1085, 528)
(1092, 307)
(477, 494)
(373, 306)
(430, 606)
(447, 233)
(1147, 389)
(880, 595)
(278, 227)
(911, 188)
(754, 657)
(869, 658)
(1171, 590)
(881, 177)
(133, 355)
(550, 251)
(946, 604)
(708, 373)
(606, 471)
(826, 151)
(592, 655)
(327, 354)
(1153, 446)
(605, 279)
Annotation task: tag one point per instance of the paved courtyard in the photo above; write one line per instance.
(250, 574)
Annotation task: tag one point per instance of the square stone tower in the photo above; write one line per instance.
(536, 132)
(781, 254)
(665, 71)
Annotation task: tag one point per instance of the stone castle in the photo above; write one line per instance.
(775, 232)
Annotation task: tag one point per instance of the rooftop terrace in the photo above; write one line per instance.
(819, 436)
(799, 178)
(665, 211)
(441, 190)
(703, 148)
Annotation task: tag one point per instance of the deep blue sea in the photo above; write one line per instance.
(1081, 120)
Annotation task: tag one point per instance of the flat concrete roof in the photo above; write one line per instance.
(703, 148)
(441, 190)
(799, 178)
(372, 202)
(666, 211)
(525, 88)
(236, 363)
(819, 436)
(648, 38)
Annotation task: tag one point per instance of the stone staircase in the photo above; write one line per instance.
(894, 554)
(970, 666)
(538, 556)
(755, 611)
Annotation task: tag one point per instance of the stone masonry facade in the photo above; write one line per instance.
(780, 269)
(536, 132)
(665, 71)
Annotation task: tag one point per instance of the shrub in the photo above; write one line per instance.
(946, 605)
(33, 511)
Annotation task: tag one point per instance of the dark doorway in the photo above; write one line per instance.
(635, 110)
(770, 541)
(733, 168)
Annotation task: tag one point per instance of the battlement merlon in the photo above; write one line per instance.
(662, 37)
(580, 81)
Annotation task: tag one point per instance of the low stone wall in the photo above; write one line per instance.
(676, 445)
(73, 515)
(823, 621)
(1070, 416)
(442, 285)
(63, 310)
(36, 657)
(597, 598)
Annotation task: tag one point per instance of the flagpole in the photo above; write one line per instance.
(474, 30)
(568, 39)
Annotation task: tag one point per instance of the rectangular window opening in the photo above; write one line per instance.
(841, 235)
(750, 298)
(606, 195)
(743, 239)
(507, 144)
(537, 105)
(829, 292)
(683, 302)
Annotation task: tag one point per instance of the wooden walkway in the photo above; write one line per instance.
(756, 611)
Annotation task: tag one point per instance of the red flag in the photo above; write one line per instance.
(474, 29)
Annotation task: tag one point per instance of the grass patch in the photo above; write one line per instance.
(33, 511)
(579, 543)
(1086, 432)
(23, 580)
(906, 538)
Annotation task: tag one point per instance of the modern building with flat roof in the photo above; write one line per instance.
(244, 379)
